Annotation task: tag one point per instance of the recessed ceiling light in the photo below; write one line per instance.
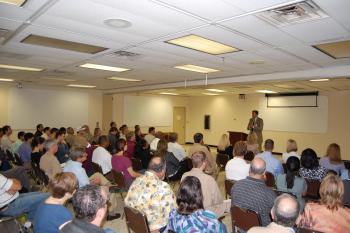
(199, 69)
(14, 2)
(19, 68)
(202, 44)
(266, 91)
(6, 80)
(124, 79)
(319, 80)
(82, 86)
(207, 93)
(59, 79)
(117, 23)
(168, 93)
(102, 67)
(216, 90)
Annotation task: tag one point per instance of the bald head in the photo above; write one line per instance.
(285, 210)
(257, 167)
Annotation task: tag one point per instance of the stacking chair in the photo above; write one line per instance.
(221, 161)
(244, 219)
(228, 186)
(312, 192)
(119, 180)
(136, 221)
(10, 224)
(270, 180)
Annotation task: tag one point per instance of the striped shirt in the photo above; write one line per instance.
(5, 197)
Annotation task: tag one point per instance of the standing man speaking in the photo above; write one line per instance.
(256, 125)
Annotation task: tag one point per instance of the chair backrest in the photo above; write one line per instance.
(244, 219)
(19, 161)
(97, 168)
(136, 221)
(10, 224)
(136, 164)
(221, 160)
(305, 230)
(40, 174)
(118, 178)
(10, 156)
(228, 186)
(313, 187)
(270, 180)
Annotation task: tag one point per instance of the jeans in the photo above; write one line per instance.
(108, 230)
(25, 203)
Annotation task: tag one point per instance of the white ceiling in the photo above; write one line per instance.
(232, 22)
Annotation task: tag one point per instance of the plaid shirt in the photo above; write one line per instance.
(254, 195)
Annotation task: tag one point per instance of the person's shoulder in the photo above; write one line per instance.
(207, 213)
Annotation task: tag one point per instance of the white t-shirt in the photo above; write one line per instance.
(237, 169)
(102, 157)
(154, 144)
(5, 197)
(177, 150)
(286, 155)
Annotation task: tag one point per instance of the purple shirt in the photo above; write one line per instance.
(25, 151)
(121, 164)
(131, 149)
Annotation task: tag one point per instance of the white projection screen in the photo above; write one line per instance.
(148, 111)
(28, 107)
(295, 119)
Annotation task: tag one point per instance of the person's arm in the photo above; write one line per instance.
(133, 173)
(259, 125)
(15, 187)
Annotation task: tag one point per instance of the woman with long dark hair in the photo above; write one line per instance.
(291, 182)
(310, 168)
(190, 216)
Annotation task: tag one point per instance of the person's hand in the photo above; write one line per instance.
(95, 181)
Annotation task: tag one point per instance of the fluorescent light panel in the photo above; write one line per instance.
(11, 67)
(14, 2)
(336, 50)
(215, 90)
(319, 80)
(6, 80)
(102, 67)
(80, 85)
(168, 93)
(194, 68)
(202, 44)
(124, 79)
(208, 93)
(59, 79)
(266, 91)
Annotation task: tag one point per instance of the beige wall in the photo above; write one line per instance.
(229, 113)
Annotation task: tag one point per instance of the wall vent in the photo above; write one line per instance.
(294, 13)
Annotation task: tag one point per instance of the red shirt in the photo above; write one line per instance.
(121, 164)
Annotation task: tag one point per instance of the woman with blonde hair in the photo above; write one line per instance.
(252, 143)
(292, 149)
(224, 146)
(329, 215)
(332, 160)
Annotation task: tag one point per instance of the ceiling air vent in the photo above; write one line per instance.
(122, 53)
(292, 14)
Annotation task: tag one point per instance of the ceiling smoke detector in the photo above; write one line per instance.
(294, 13)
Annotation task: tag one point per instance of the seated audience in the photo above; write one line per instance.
(78, 156)
(237, 168)
(113, 138)
(137, 127)
(90, 207)
(252, 192)
(39, 130)
(176, 148)
(52, 213)
(292, 149)
(87, 164)
(48, 162)
(80, 139)
(18, 142)
(190, 216)
(310, 169)
(63, 149)
(6, 141)
(172, 164)
(249, 156)
(101, 156)
(273, 165)
(53, 133)
(284, 213)
(97, 134)
(151, 195)
(332, 160)
(123, 131)
(70, 136)
(123, 164)
(151, 135)
(290, 182)
(131, 144)
(19, 173)
(153, 145)
(212, 197)
(143, 153)
(86, 133)
(46, 133)
(12, 203)
(252, 143)
(224, 146)
(329, 215)
(199, 146)
(37, 149)
(25, 150)
(113, 124)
